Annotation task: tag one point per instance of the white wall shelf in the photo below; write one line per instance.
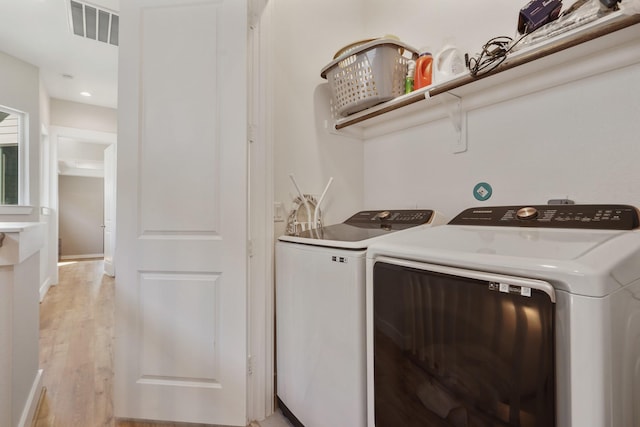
(610, 43)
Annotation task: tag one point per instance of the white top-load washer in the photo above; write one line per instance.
(320, 323)
(511, 316)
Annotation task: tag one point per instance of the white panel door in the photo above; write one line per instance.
(181, 287)
(109, 209)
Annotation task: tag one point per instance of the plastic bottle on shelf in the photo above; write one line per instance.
(448, 63)
(411, 72)
(424, 70)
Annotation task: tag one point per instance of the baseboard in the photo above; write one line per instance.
(84, 256)
(36, 415)
(32, 402)
(288, 414)
(44, 287)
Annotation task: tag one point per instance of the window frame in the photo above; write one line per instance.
(23, 164)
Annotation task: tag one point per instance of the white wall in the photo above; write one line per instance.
(306, 35)
(20, 90)
(431, 23)
(578, 140)
(45, 109)
(81, 215)
(76, 149)
(83, 116)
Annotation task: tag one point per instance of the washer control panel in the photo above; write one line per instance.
(606, 217)
(388, 217)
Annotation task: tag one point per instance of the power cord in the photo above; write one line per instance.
(493, 53)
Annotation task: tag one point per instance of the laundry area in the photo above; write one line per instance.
(363, 213)
(514, 126)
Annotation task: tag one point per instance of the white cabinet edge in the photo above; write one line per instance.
(22, 239)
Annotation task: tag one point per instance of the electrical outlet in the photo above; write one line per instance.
(278, 212)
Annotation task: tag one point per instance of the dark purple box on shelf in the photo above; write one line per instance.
(536, 13)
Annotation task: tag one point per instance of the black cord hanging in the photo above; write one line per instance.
(493, 53)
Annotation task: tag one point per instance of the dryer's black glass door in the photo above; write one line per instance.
(454, 351)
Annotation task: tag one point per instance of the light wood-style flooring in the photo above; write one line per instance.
(76, 351)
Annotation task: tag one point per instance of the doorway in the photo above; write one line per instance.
(81, 214)
(82, 200)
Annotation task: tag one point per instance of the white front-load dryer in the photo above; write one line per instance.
(507, 316)
(320, 322)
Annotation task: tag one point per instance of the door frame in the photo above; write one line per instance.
(55, 134)
(261, 321)
(109, 209)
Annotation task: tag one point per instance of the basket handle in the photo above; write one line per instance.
(406, 49)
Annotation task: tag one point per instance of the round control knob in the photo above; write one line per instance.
(527, 213)
(384, 215)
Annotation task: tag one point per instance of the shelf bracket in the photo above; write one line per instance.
(453, 106)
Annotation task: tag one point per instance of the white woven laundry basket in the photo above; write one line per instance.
(368, 74)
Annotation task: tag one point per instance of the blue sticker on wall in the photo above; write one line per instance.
(482, 191)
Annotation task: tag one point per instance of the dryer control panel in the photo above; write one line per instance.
(394, 218)
(604, 217)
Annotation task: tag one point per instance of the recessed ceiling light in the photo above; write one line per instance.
(85, 93)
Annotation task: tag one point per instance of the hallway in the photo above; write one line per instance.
(76, 347)
(76, 351)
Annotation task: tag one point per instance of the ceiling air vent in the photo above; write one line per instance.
(94, 23)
